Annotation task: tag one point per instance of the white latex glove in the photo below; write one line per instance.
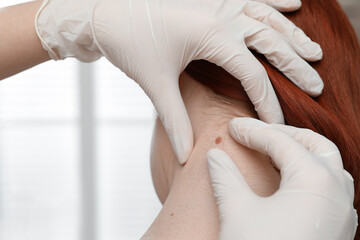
(153, 41)
(316, 194)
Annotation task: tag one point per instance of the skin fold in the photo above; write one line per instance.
(189, 210)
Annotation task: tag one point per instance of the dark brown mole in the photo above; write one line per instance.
(172, 214)
(218, 140)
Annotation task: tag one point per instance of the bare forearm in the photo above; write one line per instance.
(20, 47)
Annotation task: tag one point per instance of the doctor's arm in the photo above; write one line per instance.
(20, 47)
(151, 44)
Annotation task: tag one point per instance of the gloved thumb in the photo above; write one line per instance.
(171, 109)
(230, 188)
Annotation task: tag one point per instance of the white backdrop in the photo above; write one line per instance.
(74, 154)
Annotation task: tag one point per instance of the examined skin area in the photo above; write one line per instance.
(190, 210)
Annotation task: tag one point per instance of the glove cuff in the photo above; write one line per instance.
(65, 29)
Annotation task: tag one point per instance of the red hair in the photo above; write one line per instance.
(336, 113)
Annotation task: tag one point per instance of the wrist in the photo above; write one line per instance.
(65, 29)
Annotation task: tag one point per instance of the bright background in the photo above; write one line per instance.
(74, 152)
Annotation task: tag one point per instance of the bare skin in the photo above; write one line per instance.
(20, 47)
(190, 210)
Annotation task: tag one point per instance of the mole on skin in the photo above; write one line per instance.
(172, 214)
(218, 140)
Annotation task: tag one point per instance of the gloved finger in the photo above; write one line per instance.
(301, 43)
(315, 143)
(286, 153)
(321, 146)
(240, 62)
(350, 183)
(173, 115)
(227, 180)
(270, 43)
(283, 5)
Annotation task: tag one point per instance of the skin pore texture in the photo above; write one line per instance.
(189, 207)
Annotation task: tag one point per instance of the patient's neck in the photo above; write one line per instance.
(190, 210)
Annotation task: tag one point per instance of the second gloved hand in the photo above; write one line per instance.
(315, 197)
(153, 41)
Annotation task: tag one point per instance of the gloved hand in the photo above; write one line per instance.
(316, 194)
(153, 41)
